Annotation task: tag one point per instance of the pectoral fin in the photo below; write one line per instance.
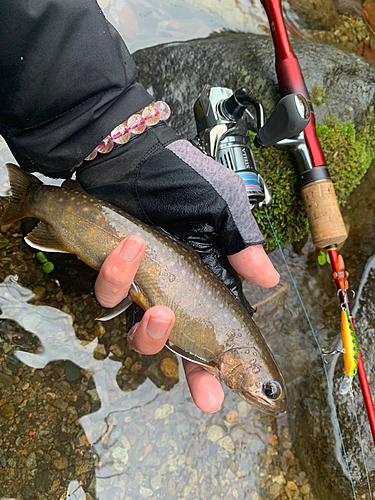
(207, 365)
(111, 313)
(42, 239)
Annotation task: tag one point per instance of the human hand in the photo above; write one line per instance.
(150, 334)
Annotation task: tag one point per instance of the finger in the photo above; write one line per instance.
(205, 389)
(255, 266)
(118, 271)
(151, 333)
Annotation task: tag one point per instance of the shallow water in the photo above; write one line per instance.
(144, 23)
(82, 416)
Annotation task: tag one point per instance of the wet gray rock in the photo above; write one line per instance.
(342, 83)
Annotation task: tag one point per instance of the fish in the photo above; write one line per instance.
(212, 328)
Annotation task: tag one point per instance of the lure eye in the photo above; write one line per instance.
(272, 389)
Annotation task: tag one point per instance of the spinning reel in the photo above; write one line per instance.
(223, 121)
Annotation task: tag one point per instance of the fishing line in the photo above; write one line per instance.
(320, 351)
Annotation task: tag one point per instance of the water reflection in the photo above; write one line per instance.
(144, 23)
(89, 437)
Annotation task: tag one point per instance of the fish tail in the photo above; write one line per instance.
(20, 184)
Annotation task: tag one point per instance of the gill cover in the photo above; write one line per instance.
(251, 373)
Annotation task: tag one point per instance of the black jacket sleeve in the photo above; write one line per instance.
(66, 80)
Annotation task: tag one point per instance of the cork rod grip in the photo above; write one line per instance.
(325, 220)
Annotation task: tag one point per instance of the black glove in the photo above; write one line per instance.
(169, 183)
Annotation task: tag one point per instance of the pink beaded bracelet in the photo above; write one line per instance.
(135, 125)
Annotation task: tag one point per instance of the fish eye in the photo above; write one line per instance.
(272, 389)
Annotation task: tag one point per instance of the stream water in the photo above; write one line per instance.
(84, 417)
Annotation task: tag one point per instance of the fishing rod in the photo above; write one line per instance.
(317, 191)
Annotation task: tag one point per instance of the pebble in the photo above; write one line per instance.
(305, 489)
(128, 362)
(145, 492)
(164, 411)
(99, 330)
(242, 408)
(156, 481)
(93, 394)
(136, 367)
(121, 454)
(82, 467)
(61, 463)
(7, 410)
(232, 416)
(214, 433)
(274, 490)
(292, 486)
(169, 368)
(31, 461)
(72, 371)
(226, 443)
(125, 443)
(100, 352)
(5, 380)
(117, 351)
(61, 404)
(39, 292)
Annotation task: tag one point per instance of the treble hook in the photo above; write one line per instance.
(331, 353)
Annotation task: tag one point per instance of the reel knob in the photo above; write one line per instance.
(289, 118)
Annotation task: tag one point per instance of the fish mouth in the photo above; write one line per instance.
(264, 405)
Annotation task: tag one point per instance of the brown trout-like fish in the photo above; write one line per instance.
(211, 328)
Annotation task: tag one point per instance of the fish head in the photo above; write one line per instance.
(253, 375)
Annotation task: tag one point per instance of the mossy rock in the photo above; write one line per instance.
(348, 155)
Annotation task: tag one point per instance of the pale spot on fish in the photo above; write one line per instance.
(84, 221)
(86, 209)
(69, 209)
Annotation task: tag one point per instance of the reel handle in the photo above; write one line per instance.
(289, 118)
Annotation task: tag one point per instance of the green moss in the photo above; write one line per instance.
(348, 155)
(318, 94)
